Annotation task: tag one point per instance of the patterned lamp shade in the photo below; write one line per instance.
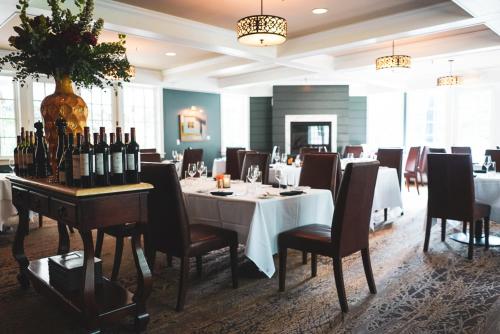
(262, 30)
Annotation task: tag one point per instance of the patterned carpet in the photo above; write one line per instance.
(438, 292)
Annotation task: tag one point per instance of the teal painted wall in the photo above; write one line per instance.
(176, 100)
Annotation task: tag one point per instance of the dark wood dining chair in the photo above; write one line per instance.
(260, 159)
(356, 150)
(495, 156)
(190, 156)
(241, 156)
(437, 150)
(422, 165)
(392, 158)
(348, 233)
(451, 196)
(321, 171)
(150, 157)
(307, 150)
(232, 166)
(147, 150)
(169, 230)
(411, 168)
(461, 150)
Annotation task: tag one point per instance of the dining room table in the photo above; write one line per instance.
(7, 209)
(258, 213)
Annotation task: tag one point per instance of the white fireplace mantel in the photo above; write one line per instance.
(311, 118)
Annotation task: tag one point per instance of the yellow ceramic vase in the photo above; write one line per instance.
(66, 104)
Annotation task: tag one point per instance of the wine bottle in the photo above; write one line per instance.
(41, 154)
(61, 167)
(117, 151)
(16, 156)
(75, 157)
(68, 161)
(24, 152)
(21, 154)
(125, 143)
(49, 170)
(102, 160)
(30, 156)
(133, 160)
(61, 130)
(86, 160)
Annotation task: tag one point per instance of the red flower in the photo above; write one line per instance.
(71, 36)
(89, 38)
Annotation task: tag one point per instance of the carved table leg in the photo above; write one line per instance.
(89, 304)
(144, 282)
(18, 247)
(63, 247)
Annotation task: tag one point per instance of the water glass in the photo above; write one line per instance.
(290, 181)
(350, 155)
(284, 158)
(279, 175)
(200, 165)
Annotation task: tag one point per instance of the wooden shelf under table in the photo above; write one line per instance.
(112, 300)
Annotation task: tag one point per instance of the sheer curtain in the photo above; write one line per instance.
(235, 121)
(385, 120)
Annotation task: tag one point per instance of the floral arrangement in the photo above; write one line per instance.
(66, 45)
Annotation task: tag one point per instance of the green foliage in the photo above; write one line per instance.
(66, 44)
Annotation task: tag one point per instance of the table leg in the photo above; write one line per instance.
(144, 282)
(478, 230)
(18, 247)
(89, 304)
(63, 247)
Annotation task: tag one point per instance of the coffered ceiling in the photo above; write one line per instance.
(337, 47)
(301, 21)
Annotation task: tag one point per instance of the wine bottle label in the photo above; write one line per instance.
(139, 162)
(130, 161)
(62, 176)
(99, 163)
(84, 164)
(117, 163)
(76, 167)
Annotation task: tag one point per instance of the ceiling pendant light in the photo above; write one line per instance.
(393, 61)
(261, 30)
(450, 80)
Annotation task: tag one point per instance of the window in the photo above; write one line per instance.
(99, 103)
(7, 117)
(385, 118)
(426, 122)
(139, 112)
(235, 121)
(40, 91)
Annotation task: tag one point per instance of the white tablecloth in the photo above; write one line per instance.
(288, 170)
(219, 166)
(487, 188)
(387, 190)
(257, 221)
(6, 208)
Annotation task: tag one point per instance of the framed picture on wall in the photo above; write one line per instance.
(193, 125)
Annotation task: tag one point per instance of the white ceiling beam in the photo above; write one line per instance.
(268, 76)
(150, 24)
(483, 8)
(429, 20)
(449, 45)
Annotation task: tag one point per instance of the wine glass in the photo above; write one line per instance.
(284, 158)
(297, 161)
(175, 155)
(12, 164)
(487, 162)
(350, 155)
(253, 173)
(200, 165)
(276, 155)
(279, 175)
(192, 170)
(290, 181)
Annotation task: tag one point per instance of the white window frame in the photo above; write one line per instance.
(17, 111)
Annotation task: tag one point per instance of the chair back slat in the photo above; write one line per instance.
(450, 186)
(353, 209)
(168, 222)
(190, 156)
(260, 159)
(392, 158)
(320, 171)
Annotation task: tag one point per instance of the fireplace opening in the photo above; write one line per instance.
(310, 134)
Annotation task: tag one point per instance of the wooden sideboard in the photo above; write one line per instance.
(85, 210)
